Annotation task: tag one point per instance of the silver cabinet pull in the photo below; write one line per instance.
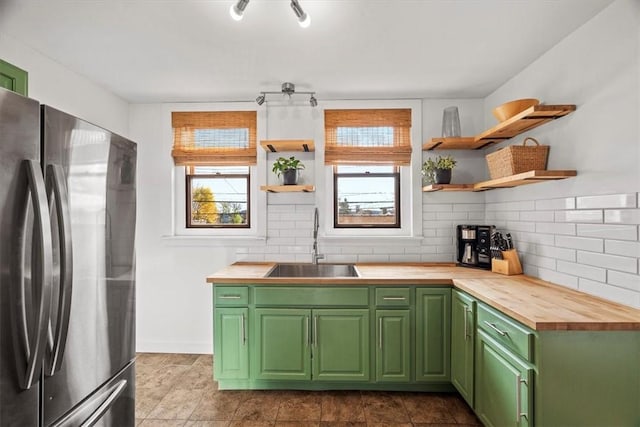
(230, 297)
(380, 326)
(34, 341)
(244, 331)
(58, 193)
(393, 298)
(466, 326)
(519, 413)
(315, 331)
(306, 331)
(495, 328)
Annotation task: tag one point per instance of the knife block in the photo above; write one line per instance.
(508, 265)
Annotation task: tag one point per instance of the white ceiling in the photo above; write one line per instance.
(191, 50)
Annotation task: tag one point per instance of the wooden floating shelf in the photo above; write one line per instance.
(530, 118)
(277, 145)
(524, 178)
(288, 188)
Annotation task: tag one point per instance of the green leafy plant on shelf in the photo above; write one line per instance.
(438, 171)
(288, 168)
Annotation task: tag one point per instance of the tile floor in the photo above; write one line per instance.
(178, 390)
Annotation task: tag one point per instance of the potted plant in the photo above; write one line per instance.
(288, 168)
(438, 171)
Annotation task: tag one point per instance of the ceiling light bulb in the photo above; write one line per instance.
(237, 10)
(303, 18)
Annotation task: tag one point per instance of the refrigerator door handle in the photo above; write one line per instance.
(74, 417)
(57, 193)
(36, 341)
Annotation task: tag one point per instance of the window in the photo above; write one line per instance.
(218, 196)
(217, 149)
(366, 196)
(366, 148)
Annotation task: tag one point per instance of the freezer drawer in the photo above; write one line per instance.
(111, 405)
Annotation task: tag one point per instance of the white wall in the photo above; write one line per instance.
(589, 243)
(53, 84)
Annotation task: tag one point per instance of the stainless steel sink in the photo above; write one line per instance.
(313, 270)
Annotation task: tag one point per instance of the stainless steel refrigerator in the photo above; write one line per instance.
(67, 279)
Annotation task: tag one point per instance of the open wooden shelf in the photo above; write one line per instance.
(277, 145)
(530, 177)
(288, 188)
(530, 118)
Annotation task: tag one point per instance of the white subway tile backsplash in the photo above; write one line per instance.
(557, 253)
(437, 207)
(294, 216)
(556, 204)
(528, 205)
(342, 258)
(429, 232)
(476, 217)
(295, 232)
(607, 201)
(373, 258)
(437, 258)
(558, 278)
(539, 239)
(622, 216)
(584, 243)
(469, 207)
(388, 250)
(625, 280)
(613, 262)
(608, 231)
(304, 224)
(588, 216)
(445, 249)
(537, 216)
(456, 216)
(586, 271)
(612, 293)
(555, 228)
(405, 258)
(503, 215)
(356, 250)
(539, 261)
(428, 216)
(527, 227)
(618, 247)
(278, 241)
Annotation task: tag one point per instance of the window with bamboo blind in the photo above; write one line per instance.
(368, 136)
(214, 138)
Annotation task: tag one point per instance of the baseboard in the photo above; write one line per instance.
(174, 347)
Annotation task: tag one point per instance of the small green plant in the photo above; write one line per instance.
(283, 164)
(430, 166)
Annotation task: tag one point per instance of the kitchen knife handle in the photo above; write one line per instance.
(58, 194)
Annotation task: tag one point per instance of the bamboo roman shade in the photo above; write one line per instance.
(216, 138)
(375, 136)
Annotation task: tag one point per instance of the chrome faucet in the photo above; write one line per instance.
(315, 256)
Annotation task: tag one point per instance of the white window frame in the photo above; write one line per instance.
(410, 177)
(258, 199)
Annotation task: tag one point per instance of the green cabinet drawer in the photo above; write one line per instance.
(299, 296)
(506, 331)
(231, 295)
(392, 297)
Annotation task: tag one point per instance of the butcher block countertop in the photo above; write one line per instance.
(542, 306)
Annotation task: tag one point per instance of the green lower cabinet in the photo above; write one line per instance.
(281, 344)
(230, 345)
(462, 344)
(393, 346)
(13, 78)
(504, 382)
(341, 345)
(433, 334)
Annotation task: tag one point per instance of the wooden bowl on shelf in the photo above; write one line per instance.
(511, 108)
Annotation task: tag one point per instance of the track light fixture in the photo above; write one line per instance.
(237, 10)
(303, 18)
(288, 89)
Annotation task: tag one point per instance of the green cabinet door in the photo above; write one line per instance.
(13, 78)
(281, 339)
(393, 348)
(433, 334)
(462, 344)
(503, 381)
(230, 344)
(341, 345)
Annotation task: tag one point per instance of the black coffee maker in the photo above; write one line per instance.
(473, 245)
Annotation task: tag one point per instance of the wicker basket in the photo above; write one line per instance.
(517, 159)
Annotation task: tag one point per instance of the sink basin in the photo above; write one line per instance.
(313, 270)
